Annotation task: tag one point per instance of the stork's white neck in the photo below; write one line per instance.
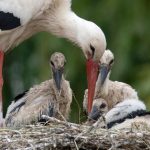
(66, 25)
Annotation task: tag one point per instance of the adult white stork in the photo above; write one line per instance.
(20, 19)
(52, 98)
(112, 92)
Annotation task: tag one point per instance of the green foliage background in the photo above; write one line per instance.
(126, 26)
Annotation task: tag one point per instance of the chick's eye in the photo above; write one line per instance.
(111, 62)
(52, 63)
(92, 49)
(103, 105)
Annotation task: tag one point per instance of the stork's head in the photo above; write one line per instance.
(106, 63)
(93, 43)
(99, 107)
(57, 62)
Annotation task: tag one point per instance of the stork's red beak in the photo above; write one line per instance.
(92, 74)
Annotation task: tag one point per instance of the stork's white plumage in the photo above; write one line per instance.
(20, 19)
(52, 98)
(54, 16)
(112, 92)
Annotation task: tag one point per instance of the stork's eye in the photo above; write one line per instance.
(52, 63)
(111, 62)
(92, 49)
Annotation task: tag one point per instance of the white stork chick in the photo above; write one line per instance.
(52, 97)
(112, 92)
(99, 108)
(20, 19)
(122, 115)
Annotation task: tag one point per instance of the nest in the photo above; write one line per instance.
(56, 134)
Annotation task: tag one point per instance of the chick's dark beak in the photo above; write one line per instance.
(104, 70)
(57, 75)
(95, 113)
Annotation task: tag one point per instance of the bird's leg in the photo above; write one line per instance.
(1, 86)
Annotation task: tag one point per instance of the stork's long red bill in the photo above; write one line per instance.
(92, 74)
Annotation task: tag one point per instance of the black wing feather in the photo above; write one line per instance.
(8, 21)
(18, 97)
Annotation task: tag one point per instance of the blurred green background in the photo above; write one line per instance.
(126, 25)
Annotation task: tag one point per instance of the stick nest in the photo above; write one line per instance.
(64, 135)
